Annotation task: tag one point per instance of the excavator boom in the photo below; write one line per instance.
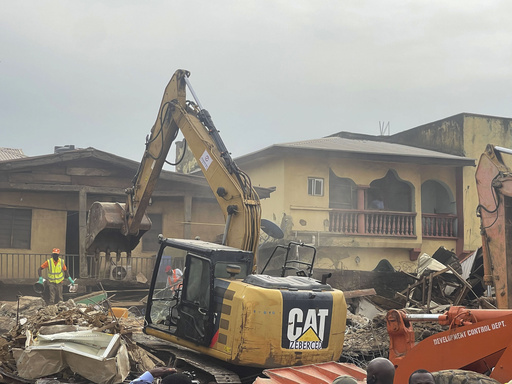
(494, 186)
(116, 227)
(221, 310)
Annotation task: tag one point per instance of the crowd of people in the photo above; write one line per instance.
(379, 371)
(382, 371)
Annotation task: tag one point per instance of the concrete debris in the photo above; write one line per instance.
(77, 342)
(366, 339)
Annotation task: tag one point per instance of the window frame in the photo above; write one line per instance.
(20, 228)
(312, 186)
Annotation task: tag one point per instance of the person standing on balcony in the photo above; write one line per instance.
(378, 203)
(57, 271)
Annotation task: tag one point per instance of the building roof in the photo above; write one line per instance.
(363, 149)
(27, 163)
(11, 153)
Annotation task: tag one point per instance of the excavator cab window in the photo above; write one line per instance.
(195, 315)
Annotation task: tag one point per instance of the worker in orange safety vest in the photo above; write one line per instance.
(174, 278)
(57, 271)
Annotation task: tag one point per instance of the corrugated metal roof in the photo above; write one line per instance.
(369, 147)
(11, 153)
(322, 373)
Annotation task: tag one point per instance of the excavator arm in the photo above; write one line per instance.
(113, 227)
(478, 340)
(494, 186)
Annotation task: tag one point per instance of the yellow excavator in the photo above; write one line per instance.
(221, 309)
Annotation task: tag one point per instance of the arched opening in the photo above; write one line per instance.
(436, 198)
(439, 210)
(390, 194)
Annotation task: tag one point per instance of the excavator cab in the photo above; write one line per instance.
(190, 312)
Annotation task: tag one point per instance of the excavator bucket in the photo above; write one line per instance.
(106, 229)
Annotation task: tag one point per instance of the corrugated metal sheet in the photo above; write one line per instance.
(323, 373)
(467, 265)
(11, 153)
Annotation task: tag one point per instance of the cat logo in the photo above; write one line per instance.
(306, 330)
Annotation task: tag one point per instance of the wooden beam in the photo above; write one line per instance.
(87, 171)
(82, 231)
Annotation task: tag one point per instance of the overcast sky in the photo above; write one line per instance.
(92, 73)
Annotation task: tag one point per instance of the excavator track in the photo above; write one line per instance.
(459, 376)
(207, 369)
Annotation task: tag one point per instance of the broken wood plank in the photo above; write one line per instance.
(359, 293)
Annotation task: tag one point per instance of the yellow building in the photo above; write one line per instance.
(44, 202)
(361, 201)
(464, 134)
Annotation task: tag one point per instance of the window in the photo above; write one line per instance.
(15, 228)
(150, 239)
(342, 192)
(315, 186)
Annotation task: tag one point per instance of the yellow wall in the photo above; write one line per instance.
(365, 259)
(49, 223)
(270, 174)
(294, 200)
(309, 215)
(48, 229)
(478, 132)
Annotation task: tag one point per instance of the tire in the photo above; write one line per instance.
(458, 376)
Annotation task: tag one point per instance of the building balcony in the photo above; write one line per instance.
(439, 225)
(372, 223)
(389, 223)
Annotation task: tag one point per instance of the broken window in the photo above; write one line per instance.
(315, 186)
(15, 228)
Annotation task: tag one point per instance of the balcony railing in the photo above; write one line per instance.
(24, 266)
(386, 223)
(439, 225)
(372, 223)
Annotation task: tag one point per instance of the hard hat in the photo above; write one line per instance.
(56, 250)
(167, 269)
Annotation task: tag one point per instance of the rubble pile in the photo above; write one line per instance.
(366, 339)
(29, 319)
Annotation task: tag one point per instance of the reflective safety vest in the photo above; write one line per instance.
(173, 279)
(55, 271)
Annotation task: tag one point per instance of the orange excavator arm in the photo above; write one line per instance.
(114, 227)
(478, 340)
(494, 186)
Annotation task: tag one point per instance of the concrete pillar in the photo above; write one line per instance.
(187, 210)
(360, 207)
(82, 231)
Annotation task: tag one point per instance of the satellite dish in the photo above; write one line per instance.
(271, 229)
